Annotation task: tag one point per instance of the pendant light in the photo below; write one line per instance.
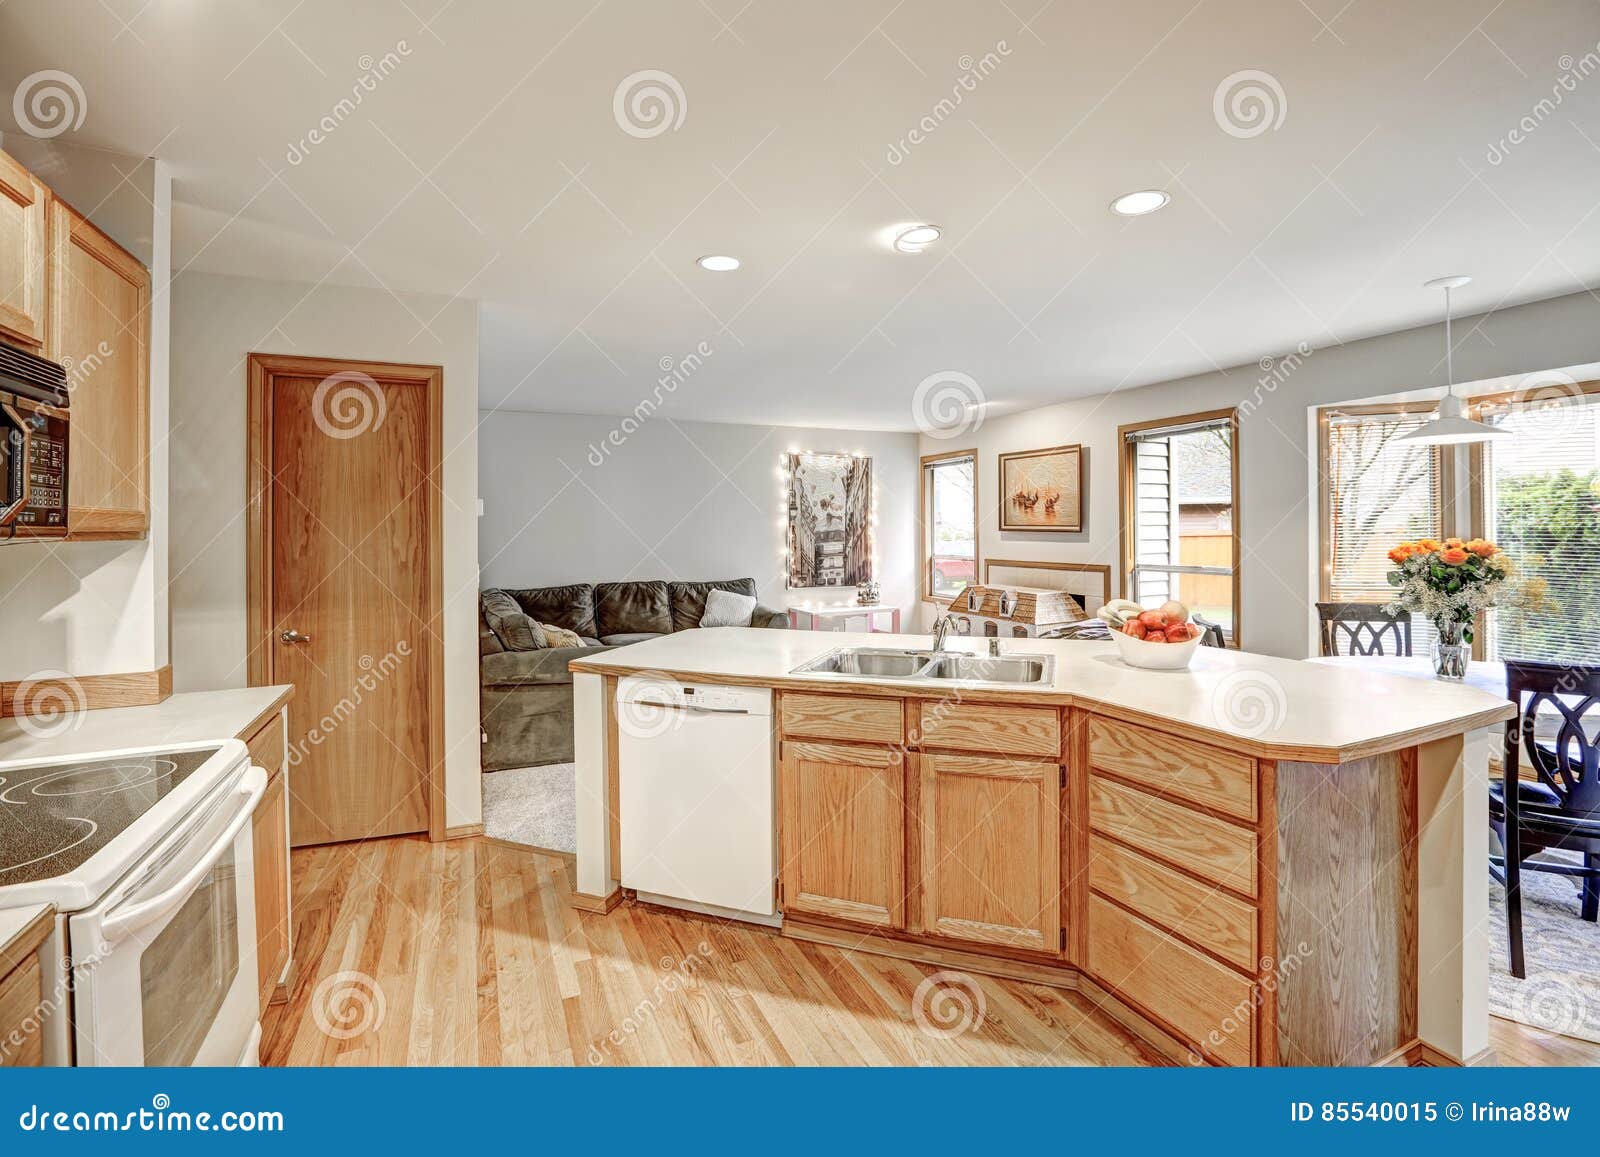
(1452, 426)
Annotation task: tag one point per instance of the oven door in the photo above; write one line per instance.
(164, 968)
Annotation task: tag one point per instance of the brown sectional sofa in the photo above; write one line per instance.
(525, 703)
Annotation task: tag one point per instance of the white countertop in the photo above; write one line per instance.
(188, 717)
(1277, 708)
(14, 920)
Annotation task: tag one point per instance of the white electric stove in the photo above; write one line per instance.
(146, 855)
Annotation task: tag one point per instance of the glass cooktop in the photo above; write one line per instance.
(54, 818)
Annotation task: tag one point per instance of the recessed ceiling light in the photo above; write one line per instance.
(718, 263)
(915, 238)
(1140, 203)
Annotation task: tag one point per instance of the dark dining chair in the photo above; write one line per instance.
(1363, 627)
(1211, 635)
(1559, 809)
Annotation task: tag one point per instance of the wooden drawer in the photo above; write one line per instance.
(1205, 845)
(1209, 776)
(1216, 921)
(1199, 998)
(850, 717)
(20, 993)
(266, 745)
(982, 727)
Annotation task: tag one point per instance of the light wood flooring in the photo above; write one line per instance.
(463, 953)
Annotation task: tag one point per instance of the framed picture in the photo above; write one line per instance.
(1042, 489)
(830, 519)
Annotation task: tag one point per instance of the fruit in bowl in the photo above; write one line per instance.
(1162, 639)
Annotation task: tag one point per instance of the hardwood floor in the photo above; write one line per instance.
(413, 953)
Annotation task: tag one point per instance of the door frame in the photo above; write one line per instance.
(262, 369)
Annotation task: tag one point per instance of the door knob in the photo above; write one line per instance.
(294, 636)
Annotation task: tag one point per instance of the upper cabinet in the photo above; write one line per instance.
(23, 201)
(99, 325)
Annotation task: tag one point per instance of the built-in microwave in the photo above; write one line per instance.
(34, 444)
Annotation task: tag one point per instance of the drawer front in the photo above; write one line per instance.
(266, 745)
(20, 995)
(1201, 999)
(850, 717)
(1219, 779)
(1209, 847)
(974, 727)
(1216, 921)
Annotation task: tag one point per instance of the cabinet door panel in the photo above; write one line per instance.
(269, 833)
(843, 832)
(22, 253)
(99, 322)
(991, 850)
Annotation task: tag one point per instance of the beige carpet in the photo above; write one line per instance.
(1562, 952)
(537, 806)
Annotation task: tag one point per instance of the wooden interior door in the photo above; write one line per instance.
(350, 593)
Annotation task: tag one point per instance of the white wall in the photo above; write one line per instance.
(217, 322)
(675, 500)
(99, 608)
(1277, 444)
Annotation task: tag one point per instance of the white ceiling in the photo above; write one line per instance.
(489, 164)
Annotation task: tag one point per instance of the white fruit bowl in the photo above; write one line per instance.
(1155, 656)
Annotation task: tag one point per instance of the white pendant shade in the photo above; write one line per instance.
(1452, 427)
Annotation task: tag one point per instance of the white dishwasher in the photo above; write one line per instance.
(697, 781)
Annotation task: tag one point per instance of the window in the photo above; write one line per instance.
(1539, 498)
(950, 523)
(1180, 515)
(1376, 491)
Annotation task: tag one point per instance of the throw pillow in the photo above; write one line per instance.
(560, 637)
(515, 630)
(726, 609)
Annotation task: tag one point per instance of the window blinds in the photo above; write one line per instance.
(1381, 491)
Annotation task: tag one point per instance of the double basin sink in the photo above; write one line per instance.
(950, 666)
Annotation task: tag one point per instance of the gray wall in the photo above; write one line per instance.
(689, 500)
(1277, 444)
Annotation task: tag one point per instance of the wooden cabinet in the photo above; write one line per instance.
(22, 988)
(270, 838)
(99, 321)
(842, 828)
(23, 240)
(991, 850)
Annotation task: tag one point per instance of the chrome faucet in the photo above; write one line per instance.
(941, 628)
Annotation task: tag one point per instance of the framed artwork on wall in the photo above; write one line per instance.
(1042, 489)
(829, 540)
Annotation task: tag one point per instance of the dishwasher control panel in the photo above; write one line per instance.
(664, 691)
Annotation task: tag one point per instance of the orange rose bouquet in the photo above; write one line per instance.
(1450, 582)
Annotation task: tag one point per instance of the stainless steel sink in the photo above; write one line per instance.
(896, 663)
(879, 662)
(983, 669)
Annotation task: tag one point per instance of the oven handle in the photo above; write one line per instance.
(118, 925)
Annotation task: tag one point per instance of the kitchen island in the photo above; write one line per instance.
(1254, 861)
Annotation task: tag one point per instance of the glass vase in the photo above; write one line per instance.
(1451, 651)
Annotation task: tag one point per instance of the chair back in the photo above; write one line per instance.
(1363, 627)
(1211, 632)
(1568, 765)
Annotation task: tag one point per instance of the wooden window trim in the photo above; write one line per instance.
(1125, 482)
(925, 516)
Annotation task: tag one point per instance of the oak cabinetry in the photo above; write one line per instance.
(853, 718)
(842, 831)
(1195, 772)
(21, 992)
(23, 239)
(991, 850)
(270, 837)
(1221, 852)
(99, 322)
(989, 728)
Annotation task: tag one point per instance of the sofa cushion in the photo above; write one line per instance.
(524, 668)
(626, 637)
(689, 599)
(727, 609)
(510, 625)
(631, 608)
(570, 606)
